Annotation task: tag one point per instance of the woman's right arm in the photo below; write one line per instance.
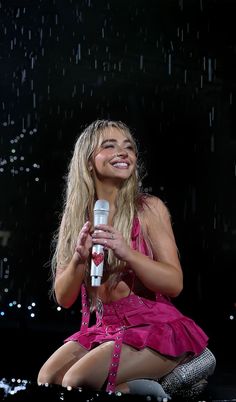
(69, 279)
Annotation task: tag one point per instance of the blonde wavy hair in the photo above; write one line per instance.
(80, 196)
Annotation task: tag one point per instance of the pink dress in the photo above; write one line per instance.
(139, 322)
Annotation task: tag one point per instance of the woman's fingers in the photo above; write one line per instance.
(105, 231)
(106, 228)
(112, 239)
(83, 235)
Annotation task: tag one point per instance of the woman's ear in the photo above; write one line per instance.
(90, 166)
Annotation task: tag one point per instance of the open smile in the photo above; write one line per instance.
(120, 165)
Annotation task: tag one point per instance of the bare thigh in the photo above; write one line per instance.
(54, 369)
(92, 369)
(145, 363)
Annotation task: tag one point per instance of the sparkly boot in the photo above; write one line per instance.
(190, 379)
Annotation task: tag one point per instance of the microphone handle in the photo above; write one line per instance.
(97, 262)
(101, 215)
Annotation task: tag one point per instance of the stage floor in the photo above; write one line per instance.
(18, 390)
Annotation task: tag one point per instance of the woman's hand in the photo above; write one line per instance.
(83, 244)
(110, 238)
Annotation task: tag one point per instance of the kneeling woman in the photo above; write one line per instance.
(138, 331)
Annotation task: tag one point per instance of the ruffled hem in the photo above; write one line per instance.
(172, 338)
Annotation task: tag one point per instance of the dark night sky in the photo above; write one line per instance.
(167, 69)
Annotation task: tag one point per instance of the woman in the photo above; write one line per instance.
(138, 332)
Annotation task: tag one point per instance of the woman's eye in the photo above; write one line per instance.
(109, 146)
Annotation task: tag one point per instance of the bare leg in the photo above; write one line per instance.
(54, 369)
(145, 363)
(92, 369)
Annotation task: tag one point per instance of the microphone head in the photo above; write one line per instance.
(101, 205)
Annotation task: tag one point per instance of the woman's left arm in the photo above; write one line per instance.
(163, 273)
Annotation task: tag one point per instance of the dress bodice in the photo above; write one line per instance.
(139, 243)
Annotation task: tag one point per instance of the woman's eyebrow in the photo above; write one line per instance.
(114, 140)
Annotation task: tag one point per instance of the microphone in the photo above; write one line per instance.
(101, 213)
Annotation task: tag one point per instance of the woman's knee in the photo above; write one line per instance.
(91, 370)
(46, 376)
(43, 377)
(73, 380)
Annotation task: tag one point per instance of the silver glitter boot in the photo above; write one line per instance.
(190, 379)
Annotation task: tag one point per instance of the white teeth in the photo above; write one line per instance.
(121, 164)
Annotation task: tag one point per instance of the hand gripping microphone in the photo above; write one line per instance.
(101, 213)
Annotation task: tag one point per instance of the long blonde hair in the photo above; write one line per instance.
(80, 197)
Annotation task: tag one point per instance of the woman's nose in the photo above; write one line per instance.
(121, 152)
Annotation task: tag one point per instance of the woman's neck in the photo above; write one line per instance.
(107, 192)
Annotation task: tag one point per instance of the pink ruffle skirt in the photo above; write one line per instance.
(158, 325)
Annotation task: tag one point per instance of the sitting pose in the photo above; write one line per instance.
(139, 333)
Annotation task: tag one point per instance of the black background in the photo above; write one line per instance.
(167, 69)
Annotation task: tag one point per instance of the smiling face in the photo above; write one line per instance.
(114, 160)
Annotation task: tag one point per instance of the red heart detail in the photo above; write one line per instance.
(97, 258)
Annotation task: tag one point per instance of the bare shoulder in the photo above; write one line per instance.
(154, 205)
(158, 225)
